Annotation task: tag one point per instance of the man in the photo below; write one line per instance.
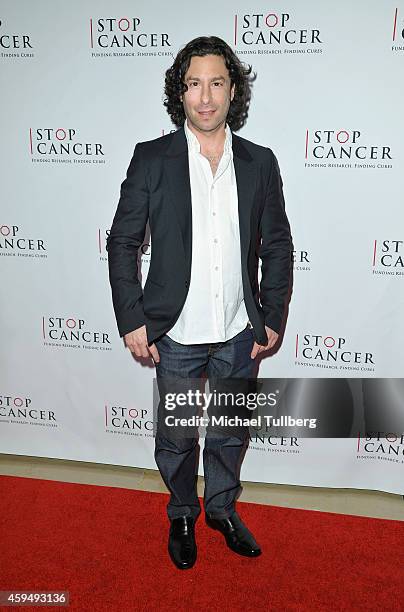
(214, 203)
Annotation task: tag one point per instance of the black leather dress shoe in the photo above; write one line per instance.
(238, 538)
(181, 542)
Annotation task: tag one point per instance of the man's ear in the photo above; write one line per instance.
(232, 91)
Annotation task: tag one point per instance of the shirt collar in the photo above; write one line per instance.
(194, 144)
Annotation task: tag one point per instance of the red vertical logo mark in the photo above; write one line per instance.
(235, 29)
(297, 346)
(359, 440)
(30, 139)
(106, 416)
(99, 240)
(307, 141)
(43, 327)
(395, 24)
(374, 252)
(91, 32)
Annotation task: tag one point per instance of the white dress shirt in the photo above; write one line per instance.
(214, 310)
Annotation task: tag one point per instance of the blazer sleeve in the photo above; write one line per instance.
(275, 250)
(126, 235)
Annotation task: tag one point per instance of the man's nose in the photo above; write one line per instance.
(205, 93)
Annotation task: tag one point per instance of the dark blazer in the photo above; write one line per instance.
(157, 189)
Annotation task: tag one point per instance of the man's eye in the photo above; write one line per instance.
(217, 83)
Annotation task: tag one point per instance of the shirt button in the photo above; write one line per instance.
(215, 240)
(216, 267)
(214, 214)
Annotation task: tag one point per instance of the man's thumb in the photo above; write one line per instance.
(154, 353)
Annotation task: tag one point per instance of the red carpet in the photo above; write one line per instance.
(107, 546)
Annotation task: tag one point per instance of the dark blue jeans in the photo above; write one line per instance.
(178, 459)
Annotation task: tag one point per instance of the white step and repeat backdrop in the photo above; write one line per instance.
(81, 83)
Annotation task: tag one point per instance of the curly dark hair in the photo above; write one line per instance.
(240, 76)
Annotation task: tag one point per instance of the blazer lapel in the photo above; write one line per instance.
(246, 177)
(176, 169)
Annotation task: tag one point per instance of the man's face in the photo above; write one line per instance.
(207, 100)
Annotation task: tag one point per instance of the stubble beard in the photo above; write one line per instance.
(199, 125)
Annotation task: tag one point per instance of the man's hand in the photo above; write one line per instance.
(136, 342)
(272, 338)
